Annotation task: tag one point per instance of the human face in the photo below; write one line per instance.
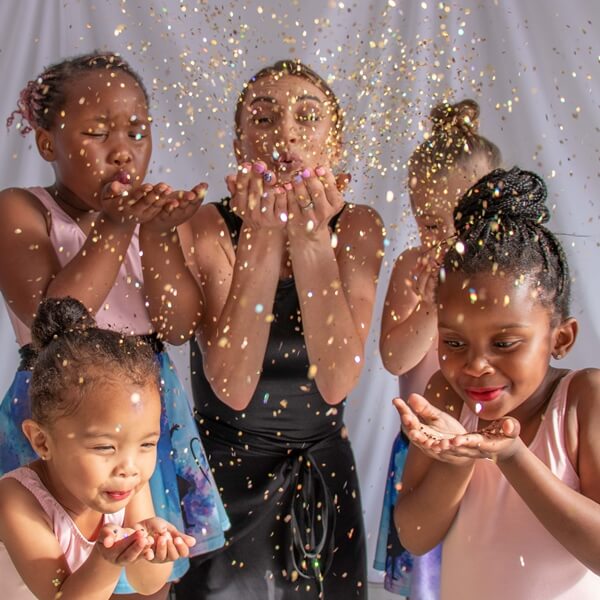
(495, 344)
(101, 134)
(435, 196)
(288, 123)
(103, 453)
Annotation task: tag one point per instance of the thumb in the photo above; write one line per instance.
(342, 180)
(511, 427)
(231, 186)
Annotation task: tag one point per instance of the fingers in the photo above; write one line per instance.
(422, 408)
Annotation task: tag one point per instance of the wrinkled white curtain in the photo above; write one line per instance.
(533, 65)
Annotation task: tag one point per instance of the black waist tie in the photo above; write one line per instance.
(28, 354)
(310, 515)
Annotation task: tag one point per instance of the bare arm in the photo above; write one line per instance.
(239, 290)
(409, 322)
(432, 490)
(336, 289)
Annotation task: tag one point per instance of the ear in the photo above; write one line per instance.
(45, 144)
(564, 337)
(38, 438)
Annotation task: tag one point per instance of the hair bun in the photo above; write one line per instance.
(56, 317)
(462, 116)
(503, 197)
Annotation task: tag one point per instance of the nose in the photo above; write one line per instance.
(120, 153)
(289, 129)
(127, 466)
(477, 364)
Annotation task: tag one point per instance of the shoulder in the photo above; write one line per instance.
(17, 502)
(408, 259)
(21, 204)
(583, 394)
(362, 215)
(206, 237)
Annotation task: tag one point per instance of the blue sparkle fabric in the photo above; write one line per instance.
(417, 577)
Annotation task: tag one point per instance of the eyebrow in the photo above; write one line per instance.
(94, 435)
(271, 100)
(442, 325)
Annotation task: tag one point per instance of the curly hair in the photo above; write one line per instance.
(74, 355)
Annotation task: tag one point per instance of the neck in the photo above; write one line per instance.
(68, 201)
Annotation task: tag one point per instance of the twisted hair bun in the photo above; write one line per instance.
(461, 118)
(502, 200)
(499, 225)
(57, 317)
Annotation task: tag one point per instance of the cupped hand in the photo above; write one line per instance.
(122, 545)
(168, 543)
(256, 198)
(428, 427)
(313, 198)
(124, 204)
(181, 205)
(423, 278)
(497, 441)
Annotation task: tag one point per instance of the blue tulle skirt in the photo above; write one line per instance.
(417, 577)
(183, 489)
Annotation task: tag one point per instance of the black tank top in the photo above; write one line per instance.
(286, 408)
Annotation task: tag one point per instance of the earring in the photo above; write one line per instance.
(558, 356)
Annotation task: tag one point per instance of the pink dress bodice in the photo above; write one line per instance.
(496, 548)
(123, 309)
(75, 546)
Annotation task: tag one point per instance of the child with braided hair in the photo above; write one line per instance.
(79, 237)
(452, 157)
(526, 523)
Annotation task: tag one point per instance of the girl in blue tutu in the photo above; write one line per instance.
(79, 237)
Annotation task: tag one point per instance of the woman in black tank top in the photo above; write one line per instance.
(283, 286)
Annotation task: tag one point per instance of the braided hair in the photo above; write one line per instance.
(74, 355)
(499, 224)
(41, 100)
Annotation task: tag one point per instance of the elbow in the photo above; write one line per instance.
(236, 395)
(412, 536)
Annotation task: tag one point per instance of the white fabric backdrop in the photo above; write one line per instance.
(533, 65)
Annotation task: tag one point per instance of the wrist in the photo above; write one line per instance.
(513, 455)
(105, 224)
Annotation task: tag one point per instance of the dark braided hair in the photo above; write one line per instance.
(454, 141)
(297, 69)
(74, 356)
(41, 100)
(500, 227)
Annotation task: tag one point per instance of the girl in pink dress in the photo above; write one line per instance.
(73, 519)
(504, 461)
(79, 237)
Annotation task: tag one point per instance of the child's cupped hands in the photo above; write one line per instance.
(423, 278)
(429, 428)
(498, 441)
(167, 542)
(123, 545)
(156, 203)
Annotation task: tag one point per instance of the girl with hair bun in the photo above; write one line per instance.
(525, 523)
(452, 157)
(73, 519)
(79, 237)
